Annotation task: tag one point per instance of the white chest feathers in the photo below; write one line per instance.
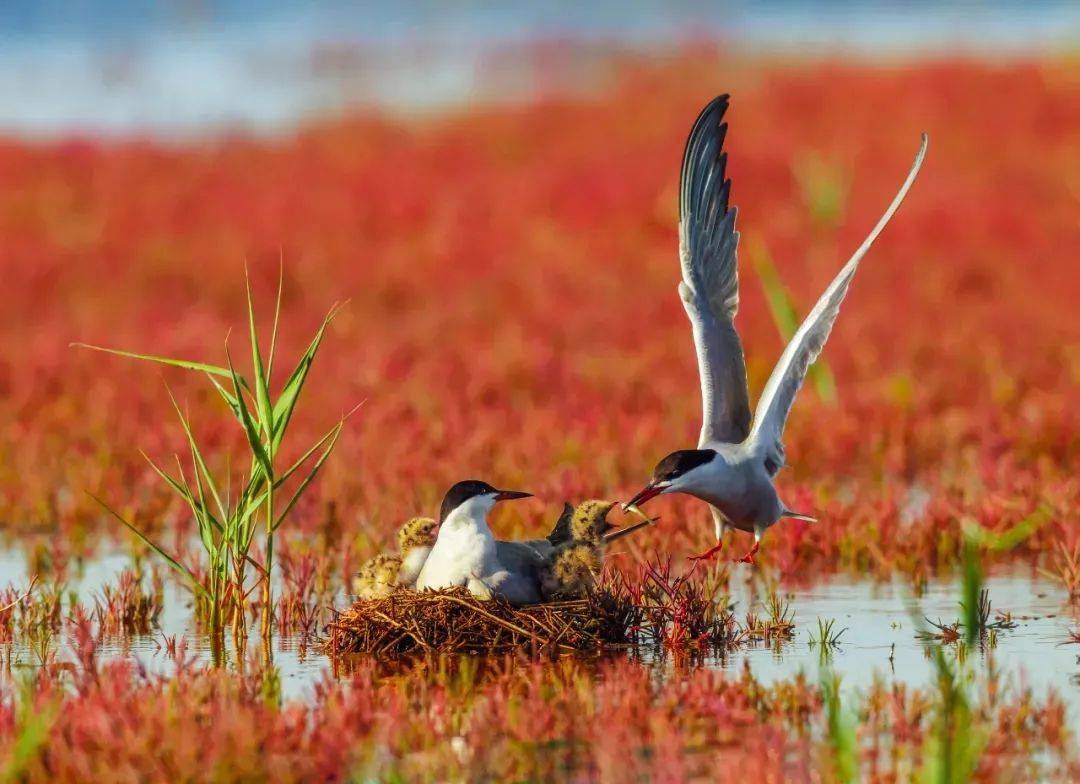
(464, 549)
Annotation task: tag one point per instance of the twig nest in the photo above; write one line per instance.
(455, 621)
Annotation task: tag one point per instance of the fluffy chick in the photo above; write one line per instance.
(378, 577)
(574, 564)
(415, 540)
(589, 522)
(572, 572)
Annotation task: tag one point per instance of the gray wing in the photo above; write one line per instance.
(516, 588)
(710, 284)
(806, 345)
(523, 555)
(520, 565)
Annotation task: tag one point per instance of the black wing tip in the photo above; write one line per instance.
(712, 113)
(710, 121)
(718, 106)
(723, 99)
(725, 187)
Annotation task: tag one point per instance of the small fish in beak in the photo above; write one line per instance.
(650, 490)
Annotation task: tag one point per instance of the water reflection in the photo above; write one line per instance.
(880, 622)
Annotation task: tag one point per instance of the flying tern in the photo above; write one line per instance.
(735, 462)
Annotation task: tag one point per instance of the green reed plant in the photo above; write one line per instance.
(785, 317)
(955, 742)
(35, 722)
(228, 525)
(827, 634)
(841, 738)
(827, 639)
(824, 187)
(972, 589)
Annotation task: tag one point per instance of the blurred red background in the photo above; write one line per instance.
(512, 310)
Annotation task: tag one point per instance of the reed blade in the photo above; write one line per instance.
(311, 475)
(290, 392)
(262, 384)
(200, 463)
(250, 428)
(179, 567)
(786, 318)
(186, 364)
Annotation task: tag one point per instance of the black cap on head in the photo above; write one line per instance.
(470, 488)
(678, 463)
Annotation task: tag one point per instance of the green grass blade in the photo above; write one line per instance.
(251, 430)
(228, 479)
(180, 363)
(199, 510)
(336, 432)
(842, 726)
(290, 392)
(824, 187)
(972, 585)
(254, 492)
(280, 480)
(277, 317)
(331, 433)
(1011, 537)
(180, 487)
(256, 500)
(200, 463)
(786, 318)
(205, 520)
(262, 388)
(226, 395)
(33, 730)
(179, 567)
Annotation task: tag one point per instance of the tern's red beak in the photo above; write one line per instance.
(510, 495)
(649, 491)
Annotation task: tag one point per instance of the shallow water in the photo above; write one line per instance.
(880, 640)
(878, 617)
(298, 666)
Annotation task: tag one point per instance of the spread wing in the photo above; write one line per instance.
(788, 375)
(710, 284)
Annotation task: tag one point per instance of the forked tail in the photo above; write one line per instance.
(797, 515)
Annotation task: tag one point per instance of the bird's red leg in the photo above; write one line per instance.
(709, 554)
(749, 557)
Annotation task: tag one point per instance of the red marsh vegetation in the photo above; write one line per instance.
(510, 274)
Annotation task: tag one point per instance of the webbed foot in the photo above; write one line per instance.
(710, 554)
(749, 557)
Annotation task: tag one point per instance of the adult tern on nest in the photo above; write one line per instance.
(465, 551)
(735, 463)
